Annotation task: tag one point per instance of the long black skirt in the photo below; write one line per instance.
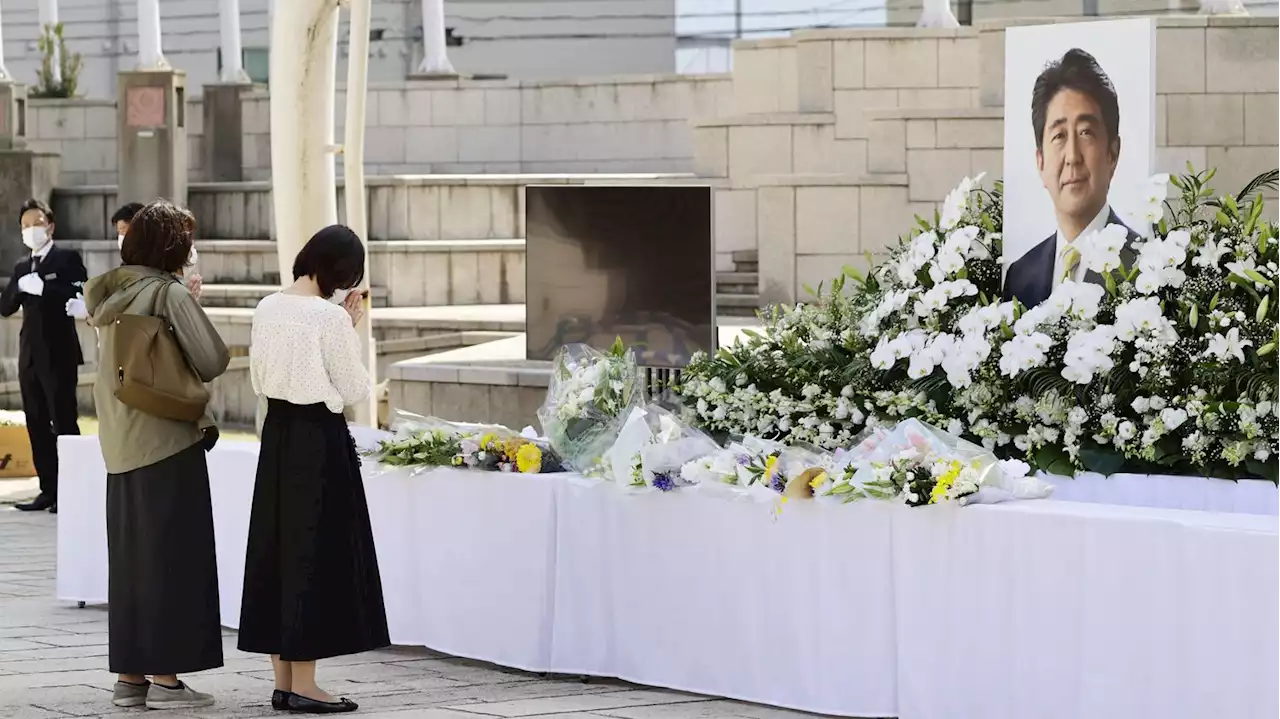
(311, 583)
(162, 586)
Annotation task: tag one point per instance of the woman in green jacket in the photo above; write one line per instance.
(163, 577)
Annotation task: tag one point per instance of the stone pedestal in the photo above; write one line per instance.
(223, 131)
(151, 125)
(23, 175)
(13, 115)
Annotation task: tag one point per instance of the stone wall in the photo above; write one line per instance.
(619, 124)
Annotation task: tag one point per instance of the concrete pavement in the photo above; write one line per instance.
(53, 665)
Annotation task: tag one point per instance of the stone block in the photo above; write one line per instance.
(1162, 120)
(816, 150)
(815, 80)
(430, 144)
(407, 286)
(921, 134)
(1205, 120)
(1241, 59)
(887, 147)
(973, 133)
(100, 122)
(900, 63)
(1180, 60)
(636, 101)
(418, 107)
(393, 108)
(937, 98)
(989, 161)
(386, 145)
(814, 270)
(934, 172)
(849, 58)
(460, 402)
(776, 227)
(464, 278)
(1236, 166)
(1260, 119)
(735, 220)
(398, 212)
(852, 106)
(513, 277)
(490, 278)
(502, 212)
(379, 209)
(435, 278)
(489, 144)
(424, 212)
(502, 107)
(458, 108)
(827, 219)
(886, 216)
(764, 80)
(1174, 160)
(958, 64)
(465, 212)
(711, 151)
(755, 150)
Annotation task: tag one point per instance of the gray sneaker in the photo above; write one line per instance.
(130, 695)
(179, 697)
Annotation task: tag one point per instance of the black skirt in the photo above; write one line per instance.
(311, 583)
(162, 587)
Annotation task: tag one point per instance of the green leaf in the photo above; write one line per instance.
(1222, 218)
(1110, 282)
(1266, 470)
(1052, 460)
(1102, 460)
(1258, 277)
(853, 272)
(1213, 303)
(1242, 282)
(1262, 309)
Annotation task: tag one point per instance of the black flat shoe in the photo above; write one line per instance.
(39, 504)
(280, 699)
(54, 508)
(303, 705)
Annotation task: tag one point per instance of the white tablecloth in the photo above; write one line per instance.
(1044, 609)
(1162, 491)
(1058, 610)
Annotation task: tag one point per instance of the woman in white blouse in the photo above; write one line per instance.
(311, 584)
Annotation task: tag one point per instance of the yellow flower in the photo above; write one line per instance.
(948, 478)
(486, 441)
(529, 459)
(818, 480)
(769, 466)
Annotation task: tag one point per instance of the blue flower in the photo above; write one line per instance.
(663, 482)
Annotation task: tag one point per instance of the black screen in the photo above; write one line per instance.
(620, 261)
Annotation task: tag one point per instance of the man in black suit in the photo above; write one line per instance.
(49, 355)
(1075, 115)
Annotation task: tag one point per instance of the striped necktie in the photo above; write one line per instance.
(1070, 260)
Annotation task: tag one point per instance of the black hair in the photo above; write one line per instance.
(160, 237)
(126, 212)
(1076, 70)
(334, 257)
(34, 204)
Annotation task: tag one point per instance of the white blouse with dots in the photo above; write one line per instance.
(304, 350)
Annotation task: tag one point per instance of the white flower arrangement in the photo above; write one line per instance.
(589, 397)
(1167, 365)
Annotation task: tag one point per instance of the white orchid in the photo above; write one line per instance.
(1100, 250)
(1089, 354)
(1154, 192)
(957, 202)
(1223, 347)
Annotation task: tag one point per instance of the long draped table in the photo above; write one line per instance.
(1047, 609)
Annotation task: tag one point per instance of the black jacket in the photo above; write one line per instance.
(48, 335)
(1030, 278)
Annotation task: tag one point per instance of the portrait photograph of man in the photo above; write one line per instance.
(1074, 160)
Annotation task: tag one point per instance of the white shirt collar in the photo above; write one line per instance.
(43, 251)
(1061, 244)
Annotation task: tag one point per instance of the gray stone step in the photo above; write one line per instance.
(743, 305)
(737, 283)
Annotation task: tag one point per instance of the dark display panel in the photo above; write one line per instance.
(634, 262)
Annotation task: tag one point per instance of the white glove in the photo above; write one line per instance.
(31, 284)
(76, 308)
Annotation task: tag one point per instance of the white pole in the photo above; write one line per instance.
(353, 171)
(4, 69)
(304, 43)
(435, 59)
(150, 56)
(1222, 7)
(48, 13)
(937, 13)
(229, 34)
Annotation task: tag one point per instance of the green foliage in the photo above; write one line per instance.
(53, 49)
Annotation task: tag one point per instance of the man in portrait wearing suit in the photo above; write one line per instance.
(1075, 115)
(48, 349)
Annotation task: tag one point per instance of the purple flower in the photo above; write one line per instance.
(744, 459)
(663, 482)
(777, 484)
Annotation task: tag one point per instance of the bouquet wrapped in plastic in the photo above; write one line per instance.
(651, 447)
(590, 396)
(427, 442)
(920, 465)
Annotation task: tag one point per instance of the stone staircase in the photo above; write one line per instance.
(738, 290)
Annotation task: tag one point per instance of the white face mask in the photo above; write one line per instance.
(192, 256)
(339, 296)
(35, 237)
(120, 241)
